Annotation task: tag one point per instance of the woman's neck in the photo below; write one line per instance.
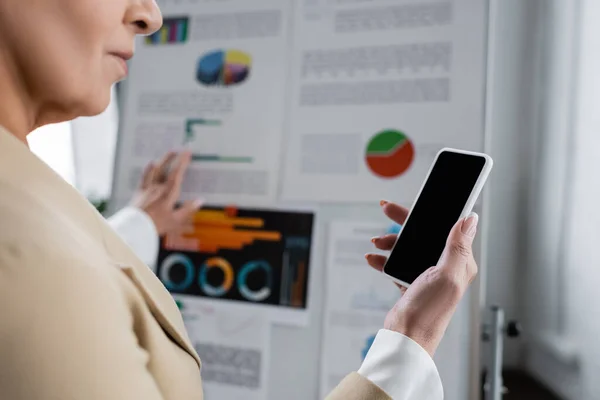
(17, 114)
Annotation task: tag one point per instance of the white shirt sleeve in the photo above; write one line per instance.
(402, 368)
(137, 229)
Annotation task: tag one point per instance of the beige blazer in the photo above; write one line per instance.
(81, 317)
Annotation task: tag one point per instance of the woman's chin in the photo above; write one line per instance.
(92, 112)
(94, 106)
(74, 110)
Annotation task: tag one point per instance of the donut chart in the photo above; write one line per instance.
(174, 260)
(255, 295)
(223, 67)
(226, 269)
(389, 154)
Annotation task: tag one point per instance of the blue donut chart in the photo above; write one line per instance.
(258, 295)
(166, 266)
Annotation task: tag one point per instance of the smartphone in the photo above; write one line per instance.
(448, 194)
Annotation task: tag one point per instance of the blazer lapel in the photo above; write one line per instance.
(158, 298)
(168, 317)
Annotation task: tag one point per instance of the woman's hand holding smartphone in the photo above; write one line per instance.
(431, 258)
(426, 307)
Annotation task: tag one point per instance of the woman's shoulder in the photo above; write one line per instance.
(32, 226)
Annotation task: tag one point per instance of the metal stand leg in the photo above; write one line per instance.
(496, 338)
(494, 333)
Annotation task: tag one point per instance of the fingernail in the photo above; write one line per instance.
(469, 225)
(374, 239)
(383, 202)
(367, 256)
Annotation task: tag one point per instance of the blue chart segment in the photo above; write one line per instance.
(223, 68)
(394, 229)
(368, 344)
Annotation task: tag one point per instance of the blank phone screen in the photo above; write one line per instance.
(438, 208)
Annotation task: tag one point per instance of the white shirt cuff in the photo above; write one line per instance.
(402, 368)
(137, 229)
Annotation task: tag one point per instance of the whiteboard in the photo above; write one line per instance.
(169, 102)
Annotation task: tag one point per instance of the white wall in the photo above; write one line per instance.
(94, 141)
(512, 78)
(564, 281)
(53, 144)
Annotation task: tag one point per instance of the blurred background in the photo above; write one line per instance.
(534, 106)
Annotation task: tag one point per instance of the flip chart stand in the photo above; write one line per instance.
(494, 333)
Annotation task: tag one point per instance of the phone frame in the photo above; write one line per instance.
(475, 192)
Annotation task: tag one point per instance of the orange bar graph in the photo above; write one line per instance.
(219, 218)
(216, 230)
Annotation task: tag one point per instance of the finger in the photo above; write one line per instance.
(153, 194)
(376, 261)
(394, 211)
(184, 215)
(385, 242)
(457, 258)
(176, 177)
(148, 175)
(163, 169)
(167, 159)
(187, 227)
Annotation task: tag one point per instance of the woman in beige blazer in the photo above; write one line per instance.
(81, 317)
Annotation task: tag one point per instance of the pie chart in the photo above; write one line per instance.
(390, 153)
(223, 67)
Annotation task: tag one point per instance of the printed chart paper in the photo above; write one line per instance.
(357, 301)
(234, 348)
(211, 80)
(378, 88)
(247, 257)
